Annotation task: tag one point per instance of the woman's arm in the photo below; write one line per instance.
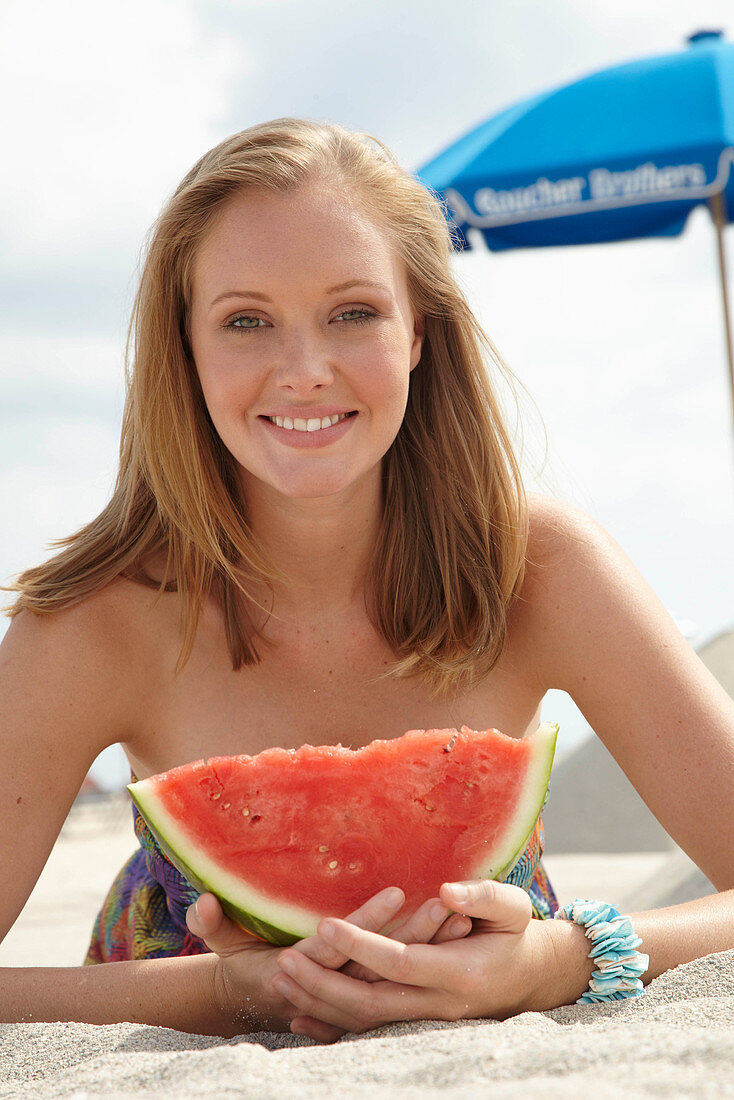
(176, 993)
(601, 634)
(667, 721)
(69, 687)
(669, 937)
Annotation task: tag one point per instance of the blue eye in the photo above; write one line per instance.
(245, 317)
(365, 316)
(247, 323)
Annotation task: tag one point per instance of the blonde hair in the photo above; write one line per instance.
(450, 554)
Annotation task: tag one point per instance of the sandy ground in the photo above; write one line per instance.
(676, 1040)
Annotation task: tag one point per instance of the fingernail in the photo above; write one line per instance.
(287, 963)
(438, 911)
(196, 909)
(461, 893)
(394, 896)
(327, 931)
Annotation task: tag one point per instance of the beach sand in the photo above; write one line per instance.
(676, 1040)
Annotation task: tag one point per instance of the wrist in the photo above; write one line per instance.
(243, 1007)
(566, 966)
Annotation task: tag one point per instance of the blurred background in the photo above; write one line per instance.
(619, 347)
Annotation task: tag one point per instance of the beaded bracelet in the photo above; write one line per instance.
(613, 944)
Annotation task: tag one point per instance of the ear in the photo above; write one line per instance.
(419, 331)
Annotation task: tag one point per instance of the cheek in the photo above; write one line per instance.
(225, 385)
(396, 385)
(386, 367)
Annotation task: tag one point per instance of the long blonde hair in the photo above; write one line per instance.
(450, 554)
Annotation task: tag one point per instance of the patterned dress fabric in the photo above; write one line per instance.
(144, 914)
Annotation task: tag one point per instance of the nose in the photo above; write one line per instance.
(304, 366)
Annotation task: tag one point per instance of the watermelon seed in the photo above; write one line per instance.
(255, 817)
(333, 865)
(452, 742)
(226, 805)
(323, 848)
(216, 796)
(245, 812)
(352, 866)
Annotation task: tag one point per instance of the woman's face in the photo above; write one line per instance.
(304, 340)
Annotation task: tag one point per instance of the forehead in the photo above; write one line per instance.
(315, 230)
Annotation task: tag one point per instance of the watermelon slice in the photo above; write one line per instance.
(291, 835)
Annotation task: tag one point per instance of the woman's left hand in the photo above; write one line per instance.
(498, 970)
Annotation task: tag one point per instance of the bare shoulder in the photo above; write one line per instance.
(72, 682)
(567, 553)
(560, 531)
(586, 599)
(571, 560)
(594, 617)
(88, 657)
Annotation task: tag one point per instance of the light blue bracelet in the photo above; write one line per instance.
(613, 950)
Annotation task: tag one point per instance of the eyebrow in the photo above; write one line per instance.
(332, 290)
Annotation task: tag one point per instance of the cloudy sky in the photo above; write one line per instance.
(619, 347)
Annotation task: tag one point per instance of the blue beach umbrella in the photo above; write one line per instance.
(619, 155)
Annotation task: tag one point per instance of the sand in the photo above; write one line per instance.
(676, 1040)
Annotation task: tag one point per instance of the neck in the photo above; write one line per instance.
(322, 546)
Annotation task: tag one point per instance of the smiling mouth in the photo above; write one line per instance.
(313, 424)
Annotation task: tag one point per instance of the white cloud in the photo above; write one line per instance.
(32, 362)
(112, 103)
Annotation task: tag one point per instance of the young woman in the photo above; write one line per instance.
(319, 532)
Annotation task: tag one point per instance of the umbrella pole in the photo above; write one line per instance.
(717, 208)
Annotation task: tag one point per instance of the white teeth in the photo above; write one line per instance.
(312, 425)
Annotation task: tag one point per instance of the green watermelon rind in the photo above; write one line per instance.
(284, 924)
(535, 788)
(294, 922)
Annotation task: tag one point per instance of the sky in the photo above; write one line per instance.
(619, 348)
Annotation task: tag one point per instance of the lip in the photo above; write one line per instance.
(309, 440)
(305, 412)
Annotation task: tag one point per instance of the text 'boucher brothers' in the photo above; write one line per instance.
(602, 185)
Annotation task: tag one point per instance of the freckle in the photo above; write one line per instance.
(18, 801)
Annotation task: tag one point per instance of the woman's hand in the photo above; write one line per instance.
(497, 971)
(244, 989)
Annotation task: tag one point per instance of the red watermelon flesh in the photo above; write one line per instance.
(290, 835)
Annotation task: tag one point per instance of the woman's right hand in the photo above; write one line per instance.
(244, 991)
